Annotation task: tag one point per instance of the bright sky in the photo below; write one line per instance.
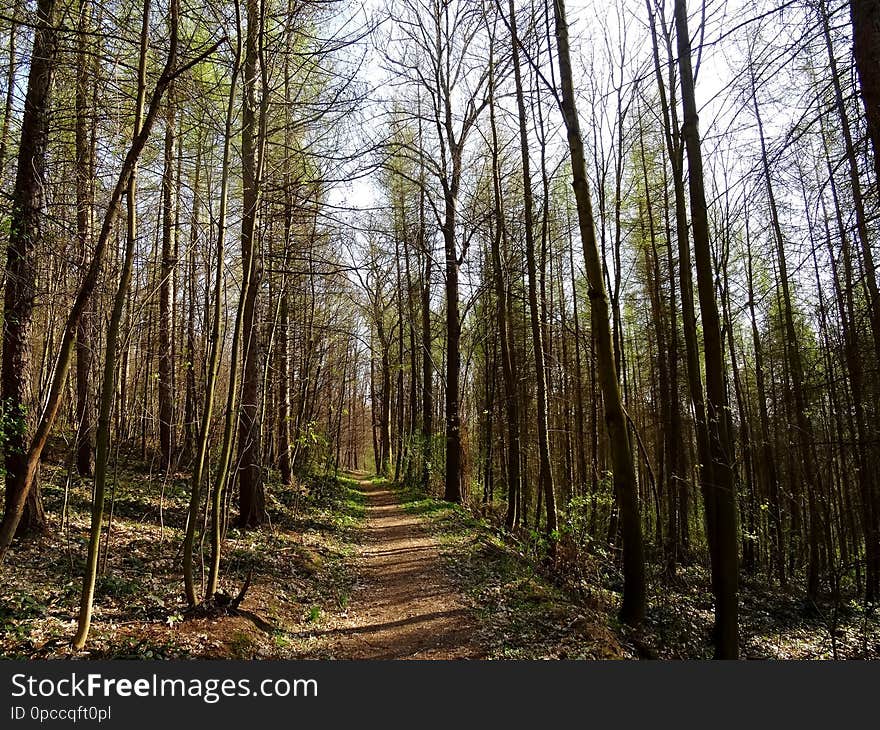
(597, 26)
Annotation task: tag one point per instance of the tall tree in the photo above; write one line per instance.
(632, 610)
(25, 225)
(537, 317)
(167, 270)
(251, 494)
(502, 297)
(865, 18)
(720, 487)
(85, 140)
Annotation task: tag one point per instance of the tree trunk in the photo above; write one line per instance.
(452, 484)
(252, 500)
(632, 610)
(384, 466)
(427, 426)
(545, 470)
(10, 83)
(85, 174)
(166, 290)
(502, 296)
(190, 406)
(18, 402)
(865, 17)
(721, 491)
(284, 465)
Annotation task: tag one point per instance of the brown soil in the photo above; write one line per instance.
(403, 605)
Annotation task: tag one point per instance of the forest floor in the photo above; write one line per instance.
(433, 583)
(349, 568)
(353, 568)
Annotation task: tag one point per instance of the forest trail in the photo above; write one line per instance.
(403, 605)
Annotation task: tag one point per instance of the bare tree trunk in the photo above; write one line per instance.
(190, 401)
(545, 470)
(18, 401)
(502, 296)
(384, 465)
(580, 434)
(633, 609)
(284, 464)
(252, 504)
(10, 83)
(85, 174)
(721, 492)
(166, 289)
(453, 477)
(398, 386)
(865, 17)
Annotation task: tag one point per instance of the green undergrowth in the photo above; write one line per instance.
(508, 578)
(522, 615)
(296, 567)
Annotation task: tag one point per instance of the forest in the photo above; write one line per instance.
(440, 329)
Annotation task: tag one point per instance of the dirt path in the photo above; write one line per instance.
(403, 605)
